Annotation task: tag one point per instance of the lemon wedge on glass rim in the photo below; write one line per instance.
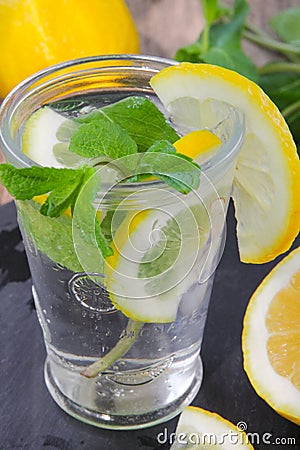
(271, 338)
(266, 188)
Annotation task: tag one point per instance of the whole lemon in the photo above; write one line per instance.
(38, 33)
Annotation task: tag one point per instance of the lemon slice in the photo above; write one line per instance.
(271, 338)
(157, 251)
(155, 261)
(41, 141)
(266, 189)
(201, 429)
(200, 145)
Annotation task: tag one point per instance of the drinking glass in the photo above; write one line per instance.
(141, 319)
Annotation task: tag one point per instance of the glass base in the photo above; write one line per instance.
(124, 421)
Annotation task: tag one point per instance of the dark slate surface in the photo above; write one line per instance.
(29, 419)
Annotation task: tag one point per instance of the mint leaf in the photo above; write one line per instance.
(65, 186)
(162, 146)
(142, 120)
(100, 136)
(213, 11)
(67, 105)
(63, 155)
(66, 130)
(175, 169)
(85, 216)
(287, 25)
(190, 53)
(102, 242)
(162, 161)
(24, 184)
(60, 199)
(210, 10)
(54, 238)
(165, 253)
(166, 147)
(282, 87)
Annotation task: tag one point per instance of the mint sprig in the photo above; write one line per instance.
(64, 187)
(24, 184)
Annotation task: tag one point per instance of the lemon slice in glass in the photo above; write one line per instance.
(46, 139)
(156, 260)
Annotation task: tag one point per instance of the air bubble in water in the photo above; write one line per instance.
(101, 394)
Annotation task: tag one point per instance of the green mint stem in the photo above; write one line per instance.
(205, 38)
(256, 30)
(280, 66)
(291, 109)
(254, 34)
(119, 350)
(260, 33)
(270, 43)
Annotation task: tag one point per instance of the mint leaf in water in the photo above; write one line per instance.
(54, 238)
(177, 170)
(102, 242)
(60, 199)
(85, 218)
(101, 136)
(142, 120)
(63, 155)
(162, 146)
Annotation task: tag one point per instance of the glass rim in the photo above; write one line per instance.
(12, 102)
